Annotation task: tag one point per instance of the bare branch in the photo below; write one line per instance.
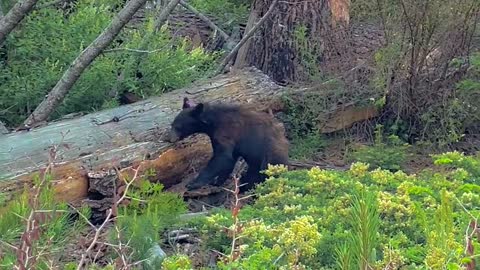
(95, 239)
(14, 16)
(246, 38)
(132, 50)
(205, 19)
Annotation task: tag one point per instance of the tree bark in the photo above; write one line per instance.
(14, 16)
(123, 137)
(277, 49)
(72, 74)
(247, 36)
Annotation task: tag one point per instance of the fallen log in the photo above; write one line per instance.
(125, 136)
(130, 135)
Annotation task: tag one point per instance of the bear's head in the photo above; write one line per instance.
(188, 121)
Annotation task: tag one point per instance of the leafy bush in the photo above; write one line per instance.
(306, 147)
(55, 230)
(47, 41)
(389, 155)
(142, 221)
(300, 217)
(178, 262)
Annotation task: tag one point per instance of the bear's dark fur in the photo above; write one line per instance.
(234, 131)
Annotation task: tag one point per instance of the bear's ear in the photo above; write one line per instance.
(197, 110)
(187, 103)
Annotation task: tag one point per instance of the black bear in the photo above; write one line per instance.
(234, 131)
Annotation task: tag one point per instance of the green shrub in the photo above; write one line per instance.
(177, 262)
(43, 46)
(311, 218)
(389, 155)
(56, 228)
(306, 147)
(145, 218)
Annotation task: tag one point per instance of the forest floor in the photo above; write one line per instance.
(332, 154)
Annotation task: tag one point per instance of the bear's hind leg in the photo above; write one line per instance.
(251, 178)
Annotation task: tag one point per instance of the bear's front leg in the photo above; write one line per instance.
(220, 165)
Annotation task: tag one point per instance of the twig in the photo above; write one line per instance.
(95, 239)
(246, 38)
(111, 213)
(205, 19)
(134, 50)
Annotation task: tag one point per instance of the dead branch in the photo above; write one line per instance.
(205, 19)
(246, 38)
(27, 256)
(95, 239)
(111, 215)
(71, 75)
(14, 16)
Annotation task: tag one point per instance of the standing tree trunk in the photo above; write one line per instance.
(14, 16)
(297, 38)
(72, 74)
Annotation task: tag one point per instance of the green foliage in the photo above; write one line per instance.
(228, 13)
(470, 165)
(365, 223)
(141, 222)
(428, 112)
(389, 155)
(304, 113)
(442, 249)
(306, 147)
(56, 228)
(308, 52)
(380, 218)
(47, 41)
(457, 113)
(177, 262)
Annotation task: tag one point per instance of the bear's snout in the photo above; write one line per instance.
(172, 136)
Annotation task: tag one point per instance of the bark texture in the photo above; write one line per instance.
(278, 50)
(14, 16)
(71, 75)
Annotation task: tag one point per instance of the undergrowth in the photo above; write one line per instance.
(372, 219)
(134, 238)
(28, 73)
(389, 154)
(49, 223)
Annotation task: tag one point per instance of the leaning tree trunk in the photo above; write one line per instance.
(278, 48)
(14, 16)
(60, 90)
